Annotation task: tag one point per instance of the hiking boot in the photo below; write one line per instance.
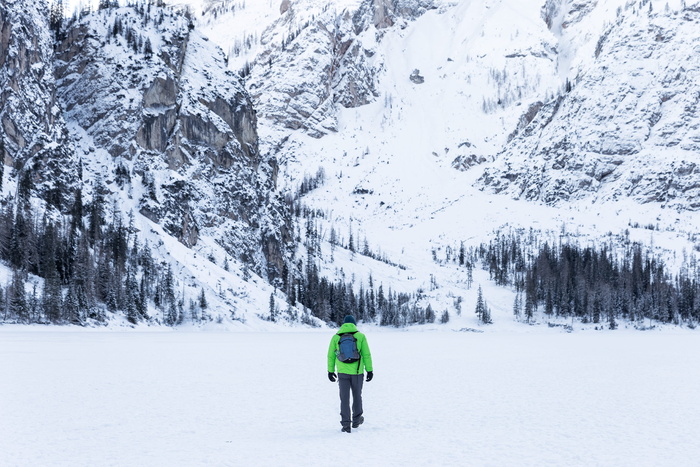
(358, 421)
(346, 429)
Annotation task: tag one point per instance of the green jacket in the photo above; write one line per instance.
(356, 368)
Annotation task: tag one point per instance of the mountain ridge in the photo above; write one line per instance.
(334, 147)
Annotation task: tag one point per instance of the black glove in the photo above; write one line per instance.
(370, 375)
(331, 376)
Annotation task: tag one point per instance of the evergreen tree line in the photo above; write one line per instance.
(90, 263)
(314, 236)
(133, 39)
(143, 8)
(330, 301)
(591, 284)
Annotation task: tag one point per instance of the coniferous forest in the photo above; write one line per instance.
(592, 284)
(91, 263)
(599, 284)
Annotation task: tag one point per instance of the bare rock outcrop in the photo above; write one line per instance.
(34, 136)
(172, 113)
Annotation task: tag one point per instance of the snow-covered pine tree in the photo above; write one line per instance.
(194, 317)
(71, 310)
(132, 296)
(273, 310)
(517, 306)
(597, 308)
(612, 323)
(142, 302)
(34, 305)
(371, 306)
(172, 313)
(486, 315)
(429, 314)
(361, 305)
(549, 302)
(445, 317)
(203, 304)
(529, 308)
(351, 241)
(52, 297)
(19, 308)
(480, 305)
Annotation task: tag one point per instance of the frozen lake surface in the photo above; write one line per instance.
(92, 398)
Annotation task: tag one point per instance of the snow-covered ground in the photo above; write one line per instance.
(538, 397)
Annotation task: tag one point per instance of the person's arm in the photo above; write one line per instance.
(366, 355)
(331, 355)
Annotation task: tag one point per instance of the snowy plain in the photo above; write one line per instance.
(532, 397)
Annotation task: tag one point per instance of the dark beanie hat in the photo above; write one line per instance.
(349, 319)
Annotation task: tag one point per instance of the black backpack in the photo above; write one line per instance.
(347, 348)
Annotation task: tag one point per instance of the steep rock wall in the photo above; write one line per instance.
(172, 113)
(34, 136)
(629, 127)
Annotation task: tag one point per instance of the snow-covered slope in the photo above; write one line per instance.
(449, 92)
(145, 92)
(629, 127)
(415, 113)
(134, 113)
(34, 139)
(441, 83)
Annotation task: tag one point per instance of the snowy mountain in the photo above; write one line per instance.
(629, 125)
(126, 132)
(145, 92)
(417, 120)
(351, 148)
(34, 139)
(513, 78)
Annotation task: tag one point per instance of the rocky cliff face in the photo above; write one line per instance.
(386, 13)
(328, 60)
(34, 135)
(144, 87)
(629, 127)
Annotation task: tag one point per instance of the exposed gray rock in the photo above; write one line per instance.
(385, 13)
(34, 134)
(162, 93)
(185, 123)
(284, 6)
(416, 77)
(464, 163)
(331, 62)
(627, 128)
(302, 98)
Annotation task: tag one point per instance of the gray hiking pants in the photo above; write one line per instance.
(348, 383)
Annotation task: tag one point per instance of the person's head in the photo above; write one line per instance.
(349, 319)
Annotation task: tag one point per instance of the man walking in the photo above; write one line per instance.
(349, 351)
